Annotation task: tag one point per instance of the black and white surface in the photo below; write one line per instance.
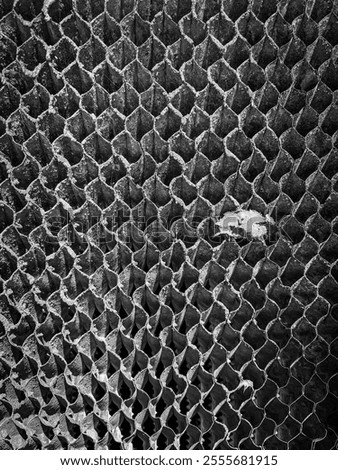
(168, 224)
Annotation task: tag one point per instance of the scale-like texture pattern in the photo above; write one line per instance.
(127, 128)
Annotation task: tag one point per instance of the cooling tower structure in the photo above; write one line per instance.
(140, 306)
